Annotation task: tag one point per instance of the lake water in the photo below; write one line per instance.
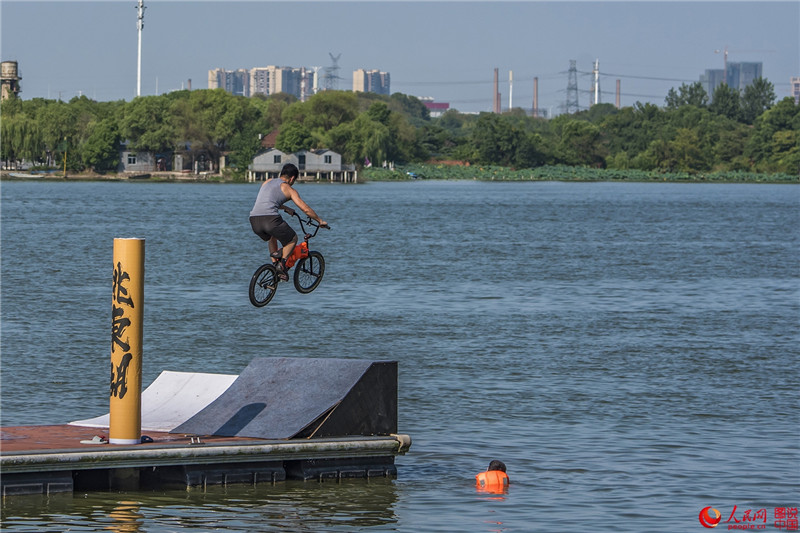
(630, 351)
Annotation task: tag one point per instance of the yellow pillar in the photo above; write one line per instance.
(127, 305)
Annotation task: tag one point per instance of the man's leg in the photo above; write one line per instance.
(273, 247)
(288, 248)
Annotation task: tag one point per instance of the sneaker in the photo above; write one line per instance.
(280, 266)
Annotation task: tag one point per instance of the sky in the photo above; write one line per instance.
(446, 50)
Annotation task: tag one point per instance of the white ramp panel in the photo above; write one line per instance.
(172, 399)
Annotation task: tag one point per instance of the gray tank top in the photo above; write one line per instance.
(270, 198)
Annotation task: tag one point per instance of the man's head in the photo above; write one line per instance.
(290, 172)
(497, 465)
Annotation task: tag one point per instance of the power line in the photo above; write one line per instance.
(477, 82)
(654, 78)
(473, 82)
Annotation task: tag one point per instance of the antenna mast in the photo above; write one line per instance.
(140, 24)
(510, 90)
(596, 72)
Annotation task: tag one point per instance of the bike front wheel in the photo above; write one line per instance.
(263, 285)
(308, 272)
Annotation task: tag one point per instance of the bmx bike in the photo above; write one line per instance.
(309, 267)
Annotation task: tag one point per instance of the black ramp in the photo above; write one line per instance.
(370, 408)
(280, 398)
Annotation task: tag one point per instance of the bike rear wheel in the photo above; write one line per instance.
(308, 272)
(263, 285)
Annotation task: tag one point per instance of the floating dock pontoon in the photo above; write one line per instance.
(282, 418)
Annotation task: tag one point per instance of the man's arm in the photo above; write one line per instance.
(304, 207)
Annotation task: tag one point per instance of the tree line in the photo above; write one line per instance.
(692, 132)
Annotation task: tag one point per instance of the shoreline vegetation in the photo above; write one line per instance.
(567, 173)
(694, 137)
(447, 171)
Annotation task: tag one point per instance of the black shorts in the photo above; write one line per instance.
(267, 226)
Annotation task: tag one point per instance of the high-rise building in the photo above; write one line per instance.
(371, 81)
(796, 90)
(261, 80)
(216, 79)
(264, 80)
(740, 75)
(735, 75)
(295, 81)
(233, 81)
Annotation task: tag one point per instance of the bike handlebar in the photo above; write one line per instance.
(309, 222)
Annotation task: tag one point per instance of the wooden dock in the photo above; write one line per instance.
(49, 459)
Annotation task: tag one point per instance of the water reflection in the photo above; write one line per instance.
(126, 518)
(294, 505)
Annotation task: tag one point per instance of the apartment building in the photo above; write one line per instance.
(371, 81)
(234, 81)
(300, 82)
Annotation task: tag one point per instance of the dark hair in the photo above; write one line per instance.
(497, 465)
(290, 171)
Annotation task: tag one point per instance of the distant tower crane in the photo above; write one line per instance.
(724, 53)
(725, 62)
(140, 24)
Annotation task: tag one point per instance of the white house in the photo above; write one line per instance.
(314, 165)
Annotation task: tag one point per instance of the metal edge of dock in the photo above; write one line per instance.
(184, 465)
(201, 453)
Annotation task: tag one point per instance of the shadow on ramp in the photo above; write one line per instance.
(284, 398)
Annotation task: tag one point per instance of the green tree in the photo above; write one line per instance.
(100, 151)
(726, 102)
(728, 151)
(757, 98)
(275, 107)
(581, 144)
(693, 94)
(599, 112)
(504, 140)
(405, 145)
(770, 144)
(410, 106)
(379, 112)
(361, 139)
(14, 129)
(294, 137)
(329, 109)
(684, 152)
(495, 143)
(207, 122)
(632, 129)
(786, 151)
(145, 124)
(244, 146)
